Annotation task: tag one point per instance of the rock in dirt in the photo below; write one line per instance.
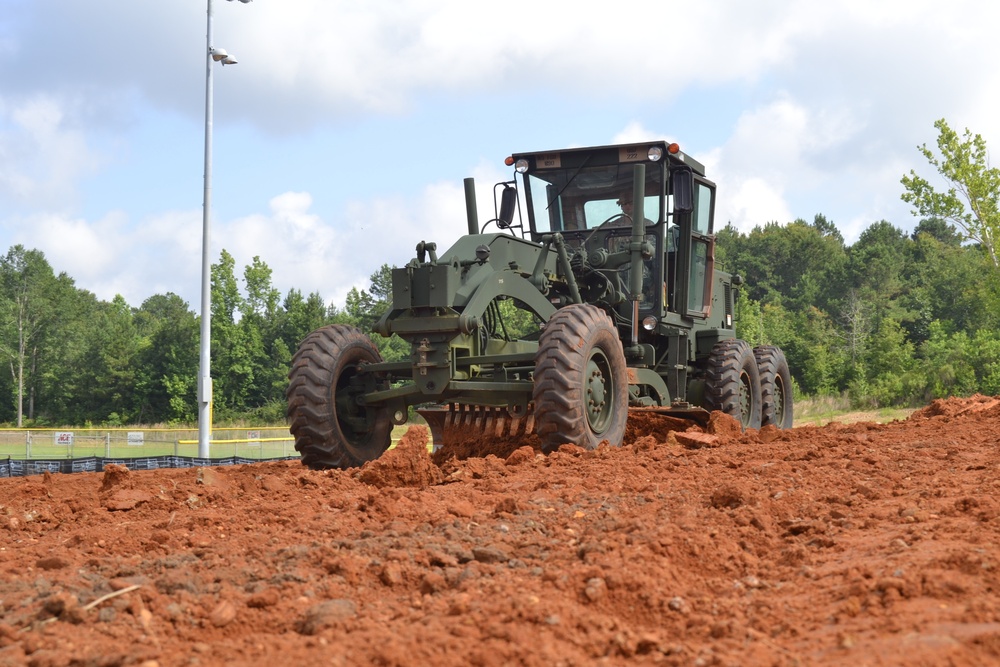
(326, 615)
(696, 439)
(729, 496)
(52, 563)
(222, 614)
(115, 476)
(125, 499)
(263, 599)
(521, 455)
(724, 425)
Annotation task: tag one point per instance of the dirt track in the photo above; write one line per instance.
(842, 545)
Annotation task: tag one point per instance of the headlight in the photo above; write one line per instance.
(521, 166)
(654, 153)
(649, 323)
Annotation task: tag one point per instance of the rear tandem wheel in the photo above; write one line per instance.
(733, 383)
(331, 429)
(775, 386)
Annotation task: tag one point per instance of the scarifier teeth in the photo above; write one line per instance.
(457, 422)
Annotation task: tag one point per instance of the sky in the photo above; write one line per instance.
(343, 135)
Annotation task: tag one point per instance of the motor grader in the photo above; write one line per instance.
(609, 251)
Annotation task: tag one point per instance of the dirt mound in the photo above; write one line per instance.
(953, 407)
(834, 545)
(407, 464)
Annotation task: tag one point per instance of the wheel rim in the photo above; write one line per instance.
(599, 393)
(746, 399)
(354, 422)
(779, 402)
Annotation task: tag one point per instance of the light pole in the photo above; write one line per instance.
(212, 55)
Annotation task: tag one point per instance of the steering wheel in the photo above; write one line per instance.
(616, 218)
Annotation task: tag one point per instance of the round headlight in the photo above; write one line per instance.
(649, 323)
(654, 153)
(521, 166)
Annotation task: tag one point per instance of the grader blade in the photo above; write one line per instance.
(475, 426)
(682, 415)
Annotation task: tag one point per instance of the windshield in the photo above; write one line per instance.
(581, 199)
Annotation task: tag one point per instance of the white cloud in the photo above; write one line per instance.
(634, 132)
(310, 254)
(111, 256)
(42, 155)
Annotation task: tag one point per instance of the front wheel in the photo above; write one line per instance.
(581, 383)
(332, 429)
(733, 382)
(775, 386)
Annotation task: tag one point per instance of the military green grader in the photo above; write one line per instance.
(610, 251)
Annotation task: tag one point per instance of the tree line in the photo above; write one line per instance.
(893, 318)
(75, 359)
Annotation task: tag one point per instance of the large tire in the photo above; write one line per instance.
(733, 382)
(331, 429)
(775, 386)
(581, 383)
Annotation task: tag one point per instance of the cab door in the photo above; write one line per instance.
(702, 263)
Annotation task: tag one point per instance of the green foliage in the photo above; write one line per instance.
(971, 201)
(949, 370)
(750, 320)
(516, 322)
(27, 317)
(892, 321)
(794, 265)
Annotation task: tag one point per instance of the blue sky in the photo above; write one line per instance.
(344, 133)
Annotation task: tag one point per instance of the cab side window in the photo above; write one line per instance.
(702, 255)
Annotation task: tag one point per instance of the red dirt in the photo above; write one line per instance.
(838, 545)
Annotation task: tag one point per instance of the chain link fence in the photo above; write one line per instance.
(37, 450)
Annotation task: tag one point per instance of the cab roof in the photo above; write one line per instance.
(631, 153)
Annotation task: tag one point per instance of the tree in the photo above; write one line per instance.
(796, 265)
(232, 368)
(269, 356)
(168, 363)
(300, 316)
(111, 364)
(364, 308)
(25, 276)
(939, 229)
(964, 164)
(877, 260)
(59, 384)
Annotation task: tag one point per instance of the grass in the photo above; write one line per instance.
(822, 410)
